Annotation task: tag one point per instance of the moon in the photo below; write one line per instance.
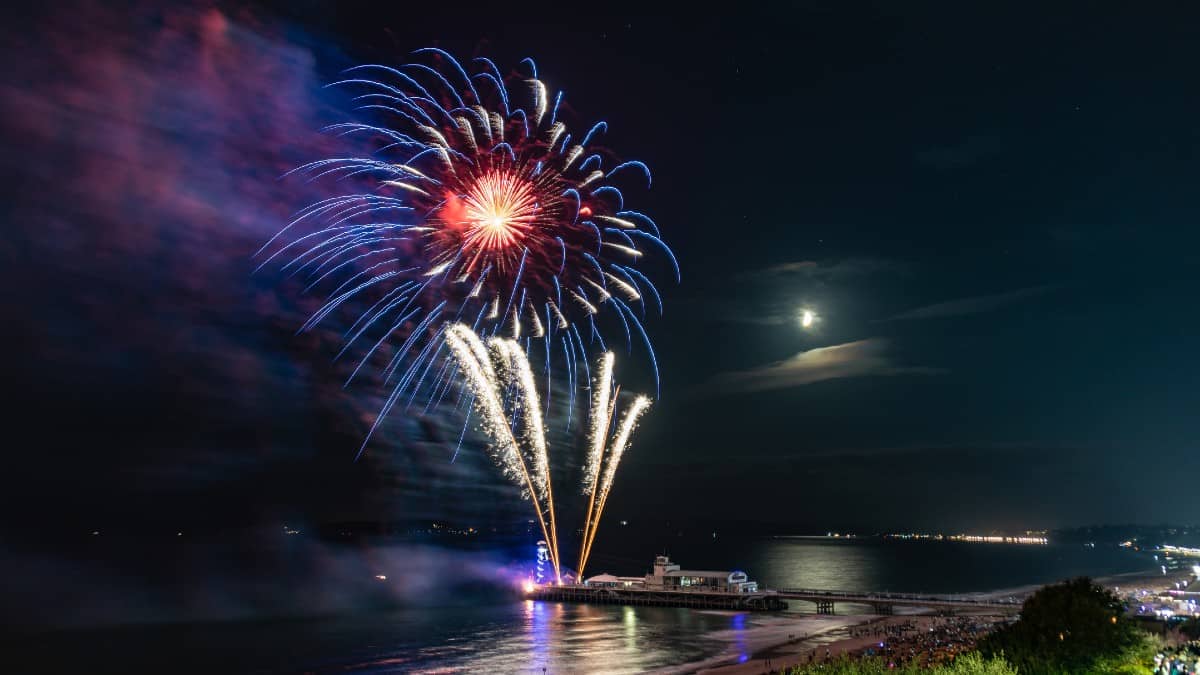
(807, 317)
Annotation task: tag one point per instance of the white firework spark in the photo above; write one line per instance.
(628, 424)
(597, 484)
(473, 361)
(601, 394)
(499, 365)
(600, 498)
(476, 364)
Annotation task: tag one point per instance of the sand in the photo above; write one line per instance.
(788, 653)
(767, 634)
(786, 640)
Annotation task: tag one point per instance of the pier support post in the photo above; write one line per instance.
(824, 607)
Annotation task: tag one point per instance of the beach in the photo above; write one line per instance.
(792, 640)
(774, 634)
(858, 633)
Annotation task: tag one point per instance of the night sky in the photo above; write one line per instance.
(991, 212)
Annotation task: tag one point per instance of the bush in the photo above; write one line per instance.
(1073, 627)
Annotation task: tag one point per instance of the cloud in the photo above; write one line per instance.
(805, 266)
(852, 359)
(769, 296)
(973, 305)
(823, 270)
(759, 312)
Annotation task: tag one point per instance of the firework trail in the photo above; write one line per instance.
(597, 483)
(510, 353)
(497, 365)
(601, 395)
(600, 419)
(489, 370)
(477, 203)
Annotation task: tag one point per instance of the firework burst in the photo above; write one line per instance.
(597, 483)
(477, 205)
(489, 370)
(506, 399)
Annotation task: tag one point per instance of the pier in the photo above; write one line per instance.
(668, 585)
(696, 599)
(886, 603)
(825, 602)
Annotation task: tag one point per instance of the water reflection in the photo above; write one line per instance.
(629, 620)
(738, 622)
(538, 633)
(932, 567)
(531, 636)
(872, 564)
(527, 636)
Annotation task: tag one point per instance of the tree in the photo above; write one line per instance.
(1076, 626)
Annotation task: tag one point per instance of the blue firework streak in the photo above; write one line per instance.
(475, 205)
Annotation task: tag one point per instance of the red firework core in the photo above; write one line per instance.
(499, 208)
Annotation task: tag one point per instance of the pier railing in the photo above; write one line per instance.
(898, 598)
(840, 596)
(694, 597)
(824, 600)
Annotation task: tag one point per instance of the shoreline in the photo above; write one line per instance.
(805, 631)
(777, 643)
(832, 643)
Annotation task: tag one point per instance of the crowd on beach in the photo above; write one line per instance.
(1183, 660)
(926, 643)
(920, 641)
(924, 640)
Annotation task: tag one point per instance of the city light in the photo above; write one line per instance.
(973, 538)
(1181, 550)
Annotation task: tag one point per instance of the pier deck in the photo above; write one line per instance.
(881, 603)
(885, 603)
(698, 599)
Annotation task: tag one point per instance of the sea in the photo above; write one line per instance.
(500, 633)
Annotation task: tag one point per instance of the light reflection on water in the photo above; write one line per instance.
(874, 564)
(614, 639)
(527, 637)
(556, 637)
(738, 622)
